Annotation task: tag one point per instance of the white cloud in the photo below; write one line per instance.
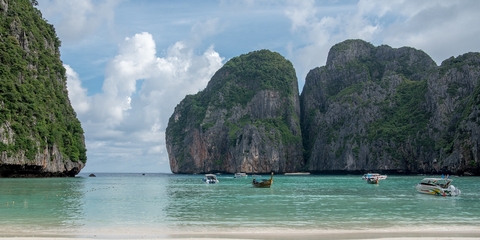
(317, 31)
(200, 30)
(130, 122)
(135, 61)
(76, 20)
(301, 13)
(440, 28)
(77, 94)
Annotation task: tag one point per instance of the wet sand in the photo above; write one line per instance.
(441, 233)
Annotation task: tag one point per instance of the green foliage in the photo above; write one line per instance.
(207, 126)
(457, 63)
(190, 111)
(233, 130)
(454, 132)
(33, 86)
(472, 101)
(374, 67)
(348, 78)
(235, 84)
(452, 89)
(247, 74)
(404, 116)
(348, 92)
(343, 46)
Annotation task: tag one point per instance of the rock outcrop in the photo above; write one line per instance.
(392, 110)
(246, 120)
(40, 135)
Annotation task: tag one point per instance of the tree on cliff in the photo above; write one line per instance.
(40, 134)
(246, 120)
(391, 109)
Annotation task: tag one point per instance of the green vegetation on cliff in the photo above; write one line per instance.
(244, 120)
(262, 69)
(404, 115)
(391, 109)
(235, 84)
(33, 96)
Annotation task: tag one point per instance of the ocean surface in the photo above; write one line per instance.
(183, 202)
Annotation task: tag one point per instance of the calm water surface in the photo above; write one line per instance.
(165, 201)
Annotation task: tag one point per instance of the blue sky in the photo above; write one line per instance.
(129, 63)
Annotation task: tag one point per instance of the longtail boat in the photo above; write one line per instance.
(263, 183)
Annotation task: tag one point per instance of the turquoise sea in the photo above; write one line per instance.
(183, 202)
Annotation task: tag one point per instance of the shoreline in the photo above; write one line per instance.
(426, 233)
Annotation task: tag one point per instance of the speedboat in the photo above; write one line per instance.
(373, 178)
(437, 186)
(378, 175)
(210, 178)
(240, 175)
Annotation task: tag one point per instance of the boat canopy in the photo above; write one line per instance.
(441, 182)
(435, 180)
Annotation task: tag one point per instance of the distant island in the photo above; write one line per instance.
(391, 110)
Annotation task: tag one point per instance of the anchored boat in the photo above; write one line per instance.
(263, 183)
(437, 186)
(240, 175)
(373, 178)
(210, 178)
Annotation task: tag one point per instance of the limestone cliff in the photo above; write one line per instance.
(40, 135)
(246, 120)
(392, 110)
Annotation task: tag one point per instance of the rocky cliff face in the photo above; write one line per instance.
(40, 135)
(368, 109)
(392, 110)
(246, 120)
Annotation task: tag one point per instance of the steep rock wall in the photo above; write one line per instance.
(40, 135)
(246, 120)
(392, 110)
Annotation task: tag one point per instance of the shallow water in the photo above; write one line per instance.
(176, 202)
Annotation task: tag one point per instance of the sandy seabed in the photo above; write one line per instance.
(424, 233)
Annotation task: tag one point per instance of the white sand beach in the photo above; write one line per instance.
(427, 233)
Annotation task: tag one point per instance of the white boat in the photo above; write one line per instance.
(210, 178)
(240, 175)
(378, 175)
(297, 173)
(373, 177)
(437, 186)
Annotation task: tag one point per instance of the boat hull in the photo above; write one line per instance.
(240, 175)
(372, 181)
(374, 175)
(263, 183)
(438, 191)
(210, 179)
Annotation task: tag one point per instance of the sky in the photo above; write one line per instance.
(129, 63)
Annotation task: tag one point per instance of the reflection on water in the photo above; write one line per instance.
(165, 201)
